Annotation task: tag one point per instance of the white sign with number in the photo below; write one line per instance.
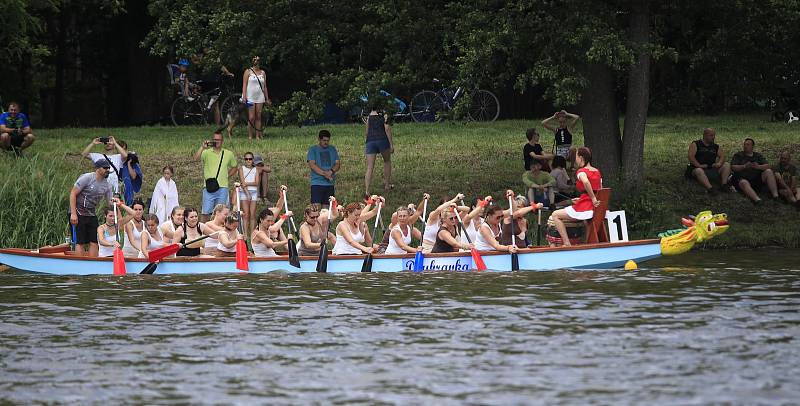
(617, 226)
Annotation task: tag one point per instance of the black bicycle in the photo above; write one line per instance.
(427, 105)
(202, 108)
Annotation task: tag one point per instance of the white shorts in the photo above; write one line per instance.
(244, 196)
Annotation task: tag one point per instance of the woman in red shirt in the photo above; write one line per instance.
(588, 181)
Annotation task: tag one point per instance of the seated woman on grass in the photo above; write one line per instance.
(352, 233)
(401, 234)
(268, 234)
(589, 180)
(490, 231)
(448, 238)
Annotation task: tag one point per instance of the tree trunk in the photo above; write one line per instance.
(61, 60)
(601, 121)
(638, 99)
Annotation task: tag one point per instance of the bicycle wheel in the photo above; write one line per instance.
(483, 106)
(425, 106)
(185, 112)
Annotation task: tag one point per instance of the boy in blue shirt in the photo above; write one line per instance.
(323, 160)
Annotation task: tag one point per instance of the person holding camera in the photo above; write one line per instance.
(15, 130)
(115, 161)
(130, 175)
(214, 157)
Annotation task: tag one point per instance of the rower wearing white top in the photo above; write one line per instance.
(474, 219)
(226, 247)
(248, 193)
(152, 237)
(134, 230)
(269, 234)
(108, 233)
(352, 234)
(401, 234)
(216, 224)
(432, 222)
(175, 221)
(490, 231)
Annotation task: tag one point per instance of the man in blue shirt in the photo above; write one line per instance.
(323, 159)
(15, 130)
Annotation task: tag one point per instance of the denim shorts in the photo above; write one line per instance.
(212, 199)
(376, 146)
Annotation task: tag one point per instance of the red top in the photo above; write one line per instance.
(584, 202)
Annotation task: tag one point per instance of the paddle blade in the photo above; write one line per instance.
(514, 262)
(241, 256)
(322, 262)
(418, 261)
(476, 258)
(367, 265)
(294, 258)
(149, 269)
(163, 252)
(119, 262)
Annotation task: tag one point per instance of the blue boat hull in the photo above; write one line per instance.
(590, 256)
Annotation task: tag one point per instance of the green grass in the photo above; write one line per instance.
(476, 159)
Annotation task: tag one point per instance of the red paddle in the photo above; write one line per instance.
(119, 257)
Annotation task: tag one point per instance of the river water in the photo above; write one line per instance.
(703, 328)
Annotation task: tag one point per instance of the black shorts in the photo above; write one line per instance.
(86, 230)
(320, 194)
(711, 173)
(756, 183)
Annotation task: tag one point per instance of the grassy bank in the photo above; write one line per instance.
(435, 158)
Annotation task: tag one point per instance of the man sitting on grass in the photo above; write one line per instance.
(15, 130)
(751, 172)
(786, 177)
(539, 183)
(707, 162)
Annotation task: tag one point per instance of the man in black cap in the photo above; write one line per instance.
(89, 190)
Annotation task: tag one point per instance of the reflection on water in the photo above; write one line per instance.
(707, 329)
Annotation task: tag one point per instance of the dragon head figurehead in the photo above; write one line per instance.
(700, 228)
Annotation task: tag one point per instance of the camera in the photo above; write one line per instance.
(210, 143)
(104, 140)
(133, 158)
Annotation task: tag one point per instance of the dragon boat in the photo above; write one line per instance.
(605, 255)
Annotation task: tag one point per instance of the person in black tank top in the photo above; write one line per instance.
(378, 141)
(707, 162)
(447, 238)
(190, 216)
(560, 124)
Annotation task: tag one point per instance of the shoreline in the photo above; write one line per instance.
(473, 158)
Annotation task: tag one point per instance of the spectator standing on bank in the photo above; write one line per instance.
(218, 165)
(131, 176)
(379, 141)
(110, 145)
(15, 130)
(255, 94)
(323, 160)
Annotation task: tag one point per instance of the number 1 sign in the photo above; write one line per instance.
(617, 226)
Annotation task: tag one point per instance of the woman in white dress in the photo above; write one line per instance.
(255, 94)
(165, 196)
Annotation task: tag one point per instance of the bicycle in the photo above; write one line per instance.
(427, 105)
(401, 107)
(199, 109)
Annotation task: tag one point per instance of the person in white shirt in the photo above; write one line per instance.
(110, 145)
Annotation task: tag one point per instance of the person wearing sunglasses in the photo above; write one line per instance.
(491, 231)
(314, 229)
(448, 238)
(248, 192)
